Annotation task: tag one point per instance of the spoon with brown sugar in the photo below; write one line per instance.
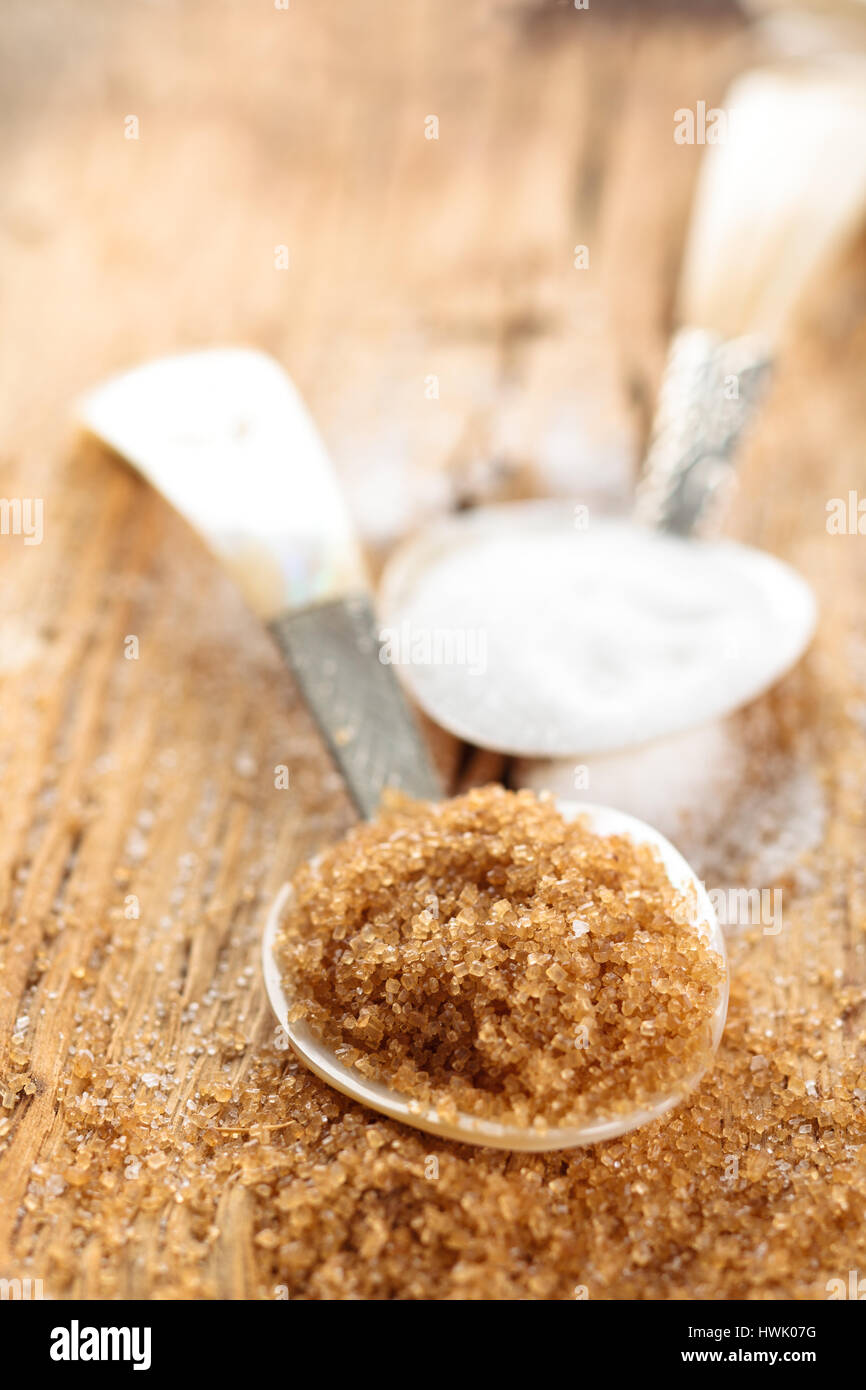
(500, 970)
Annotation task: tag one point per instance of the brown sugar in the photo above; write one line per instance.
(754, 1188)
(166, 1152)
(485, 955)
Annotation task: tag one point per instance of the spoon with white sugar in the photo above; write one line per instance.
(586, 634)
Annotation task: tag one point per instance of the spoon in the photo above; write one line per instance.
(226, 439)
(767, 214)
(473, 1129)
(585, 642)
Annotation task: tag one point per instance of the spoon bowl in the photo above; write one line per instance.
(473, 1129)
(582, 642)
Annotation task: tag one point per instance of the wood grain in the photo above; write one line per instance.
(152, 777)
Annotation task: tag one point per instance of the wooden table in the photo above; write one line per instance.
(140, 830)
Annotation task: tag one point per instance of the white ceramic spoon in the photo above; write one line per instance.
(471, 1129)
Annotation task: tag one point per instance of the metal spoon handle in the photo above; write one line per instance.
(356, 701)
(710, 391)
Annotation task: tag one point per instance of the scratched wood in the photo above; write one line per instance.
(409, 258)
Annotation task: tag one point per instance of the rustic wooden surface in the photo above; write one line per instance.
(408, 258)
